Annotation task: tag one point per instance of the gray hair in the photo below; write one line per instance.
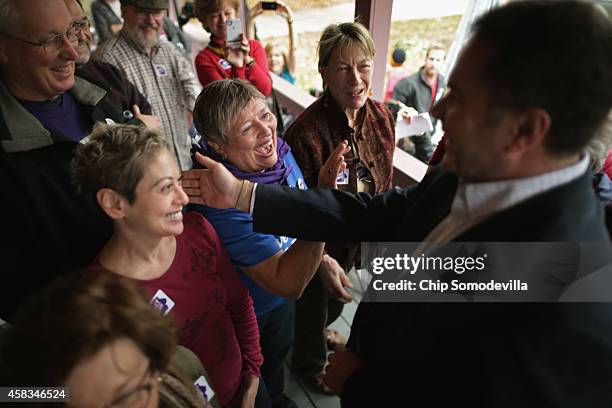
(114, 157)
(9, 16)
(220, 104)
(343, 35)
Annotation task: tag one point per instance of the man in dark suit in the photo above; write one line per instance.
(529, 91)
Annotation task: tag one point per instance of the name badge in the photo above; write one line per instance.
(343, 178)
(161, 70)
(162, 302)
(225, 64)
(204, 388)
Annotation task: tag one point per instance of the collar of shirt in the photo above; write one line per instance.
(477, 200)
(474, 202)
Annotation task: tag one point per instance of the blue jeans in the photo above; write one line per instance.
(276, 333)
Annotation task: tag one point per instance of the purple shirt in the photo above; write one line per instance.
(64, 116)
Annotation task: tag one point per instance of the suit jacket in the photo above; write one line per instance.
(459, 354)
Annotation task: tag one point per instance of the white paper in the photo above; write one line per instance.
(421, 123)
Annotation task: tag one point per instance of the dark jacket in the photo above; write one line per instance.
(414, 91)
(48, 227)
(121, 93)
(462, 354)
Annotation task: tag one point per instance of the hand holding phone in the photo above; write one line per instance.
(268, 5)
(233, 33)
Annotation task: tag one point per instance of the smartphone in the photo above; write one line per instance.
(234, 32)
(268, 5)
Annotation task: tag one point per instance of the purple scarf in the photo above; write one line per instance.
(276, 175)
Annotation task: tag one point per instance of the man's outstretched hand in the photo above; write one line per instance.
(213, 186)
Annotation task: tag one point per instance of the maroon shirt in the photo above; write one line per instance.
(212, 307)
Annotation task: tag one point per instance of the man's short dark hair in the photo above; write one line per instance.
(555, 55)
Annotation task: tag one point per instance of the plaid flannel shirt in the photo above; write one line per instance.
(167, 80)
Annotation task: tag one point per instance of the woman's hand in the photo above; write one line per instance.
(334, 165)
(284, 11)
(256, 10)
(239, 56)
(251, 384)
(334, 279)
(213, 186)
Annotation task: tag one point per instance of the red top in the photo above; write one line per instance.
(212, 307)
(211, 66)
(607, 167)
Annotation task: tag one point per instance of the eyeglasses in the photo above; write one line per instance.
(81, 25)
(139, 397)
(54, 43)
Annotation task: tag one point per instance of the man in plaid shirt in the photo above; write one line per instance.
(157, 69)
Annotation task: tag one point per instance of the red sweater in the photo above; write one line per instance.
(213, 67)
(212, 307)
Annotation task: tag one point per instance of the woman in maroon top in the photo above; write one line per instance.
(220, 61)
(177, 257)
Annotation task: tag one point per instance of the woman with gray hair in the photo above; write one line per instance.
(239, 131)
(177, 257)
(344, 111)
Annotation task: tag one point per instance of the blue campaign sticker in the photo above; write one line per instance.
(225, 64)
(161, 70)
(343, 178)
(162, 302)
(204, 388)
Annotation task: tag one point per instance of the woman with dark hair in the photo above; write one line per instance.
(96, 335)
(177, 257)
(245, 60)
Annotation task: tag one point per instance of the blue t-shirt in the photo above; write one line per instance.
(286, 75)
(248, 248)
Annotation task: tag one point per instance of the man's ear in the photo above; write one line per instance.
(112, 203)
(531, 129)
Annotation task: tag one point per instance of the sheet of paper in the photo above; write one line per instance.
(420, 124)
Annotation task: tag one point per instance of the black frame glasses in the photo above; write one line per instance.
(53, 44)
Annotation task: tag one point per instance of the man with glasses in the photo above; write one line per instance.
(45, 110)
(157, 69)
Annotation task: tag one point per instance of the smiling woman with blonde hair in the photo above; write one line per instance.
(344, 111)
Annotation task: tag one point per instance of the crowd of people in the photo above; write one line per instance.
(169, 243)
